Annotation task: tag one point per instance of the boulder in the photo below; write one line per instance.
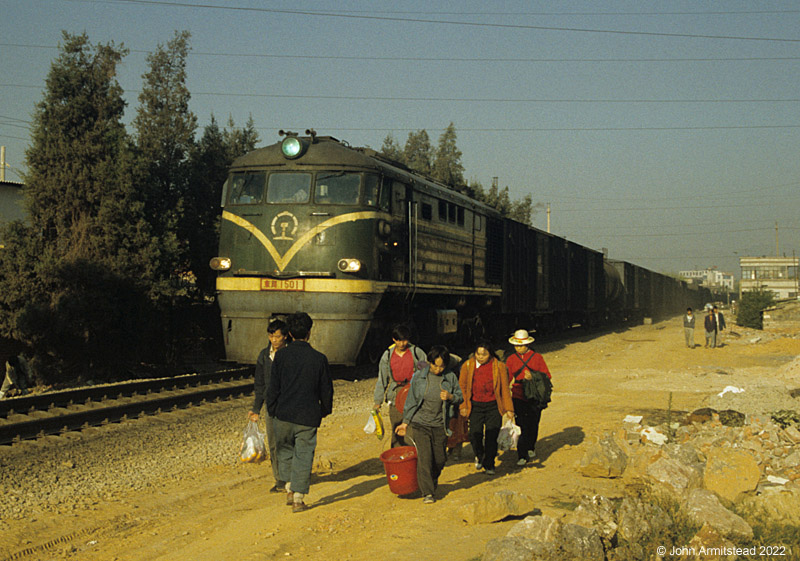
(496, 506)
(636, 518)
(780, 504)
(579, 543)
(596, 512)
(673, 476)
(518, 549)
(603, 458)
(730, 471)
(703, 415)
(710, 539)
(541, 528)
(703, 507)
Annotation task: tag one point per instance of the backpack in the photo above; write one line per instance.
(538, 390)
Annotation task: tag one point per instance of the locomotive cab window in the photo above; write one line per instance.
(337, 188)
(247, 188)
(289, 187)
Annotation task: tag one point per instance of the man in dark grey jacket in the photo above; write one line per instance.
(299, 395)
(278, 338)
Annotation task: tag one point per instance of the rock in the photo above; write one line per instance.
(703, 507)
(541, 528)
(674, 476)
(577, 542)
(792, 434)
(730, 471)
(637, 518)
(777, 504)
(496, 506)
(518, 549)
(703, 415)
(731, 418)
(604, 458)
(709, 538)
(596, 512)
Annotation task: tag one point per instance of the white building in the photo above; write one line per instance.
(710, 278)
(778, 274)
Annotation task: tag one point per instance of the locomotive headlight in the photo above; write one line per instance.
(349, 265)
(220, 263)
(293, 147)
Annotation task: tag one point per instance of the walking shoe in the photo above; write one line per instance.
(429, 499)
(289, 498)
(531, 454)
(279, 487)
(300, 507)
(489, 472)
(522, 462)
(478, 464)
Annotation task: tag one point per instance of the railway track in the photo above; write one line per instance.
(35, 416)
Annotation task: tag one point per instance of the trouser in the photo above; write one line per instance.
(711, 339)
(688, 333)
(295, 446)
(528, 416)
(396, 418)
(273, 450)
(431, 456)
(14, 380)
(484, 427)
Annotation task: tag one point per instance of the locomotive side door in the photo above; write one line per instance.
(401, 242)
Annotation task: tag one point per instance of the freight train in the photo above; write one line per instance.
(361, 242)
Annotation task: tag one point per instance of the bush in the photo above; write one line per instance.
(751, 306)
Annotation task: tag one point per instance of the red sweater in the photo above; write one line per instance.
(516, 371)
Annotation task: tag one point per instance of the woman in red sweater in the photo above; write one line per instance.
(521, 365)
(487, 399)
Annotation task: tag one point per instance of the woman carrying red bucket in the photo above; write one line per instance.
(432, 397)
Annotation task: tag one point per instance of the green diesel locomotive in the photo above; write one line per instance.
(356, 240)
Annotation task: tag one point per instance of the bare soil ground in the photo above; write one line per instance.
(224, 512)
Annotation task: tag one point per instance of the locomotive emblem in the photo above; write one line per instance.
(289, 219)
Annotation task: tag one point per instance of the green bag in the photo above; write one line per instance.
(538, 390)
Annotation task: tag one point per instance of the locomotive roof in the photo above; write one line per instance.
(330, 153)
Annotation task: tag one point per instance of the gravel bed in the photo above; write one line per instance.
(75, 471)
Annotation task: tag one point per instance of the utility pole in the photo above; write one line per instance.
(2, 163)
(548, 218)
(777, 251)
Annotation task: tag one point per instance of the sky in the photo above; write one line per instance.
(666, 132)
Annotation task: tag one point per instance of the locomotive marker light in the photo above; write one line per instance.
(349, 265)
(292, 147)
(220, 263)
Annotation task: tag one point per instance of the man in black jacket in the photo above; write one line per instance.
(299, 395)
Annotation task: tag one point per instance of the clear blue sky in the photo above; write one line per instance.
(667, 132)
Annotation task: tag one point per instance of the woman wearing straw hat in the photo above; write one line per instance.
(521, 365)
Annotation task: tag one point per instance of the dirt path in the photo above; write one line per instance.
(224, 513)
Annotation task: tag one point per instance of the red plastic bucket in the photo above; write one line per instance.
(401, 469)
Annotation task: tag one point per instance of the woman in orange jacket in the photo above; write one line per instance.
(487, 400)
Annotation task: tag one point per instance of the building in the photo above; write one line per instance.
(710, 278)
(778, 274)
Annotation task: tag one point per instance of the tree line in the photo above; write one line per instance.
(444, 165)
(109, 267)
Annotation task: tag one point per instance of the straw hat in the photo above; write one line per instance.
(521, 337)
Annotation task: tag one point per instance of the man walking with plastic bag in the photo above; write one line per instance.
(299, 395)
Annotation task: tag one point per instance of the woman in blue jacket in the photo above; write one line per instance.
(432, 397)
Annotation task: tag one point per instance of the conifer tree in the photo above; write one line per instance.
(447, 167)
(391, 149)
(417, 153)
(165, 129)
(73, 282)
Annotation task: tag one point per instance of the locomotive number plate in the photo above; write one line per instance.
(288, 284)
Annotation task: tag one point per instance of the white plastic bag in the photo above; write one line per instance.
(253, 448)
(374, 425)
(509, 434)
